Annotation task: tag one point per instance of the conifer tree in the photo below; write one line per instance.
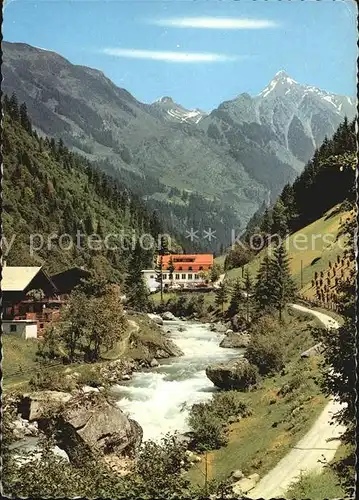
(170, 269)
(162, 250)
(14, 107)
(248, 289)
(263, 286)
(221, 295)
(136, 289)
(280, 219)
(267, 222)
(24, 118)
(283, 288)
(236, 297)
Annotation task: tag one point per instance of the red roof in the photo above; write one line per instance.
(189, 262)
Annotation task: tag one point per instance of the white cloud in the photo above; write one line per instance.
(170, 56)
(217, 23)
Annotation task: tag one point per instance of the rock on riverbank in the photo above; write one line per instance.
(235, 374)
(236, 340)
(82, 423)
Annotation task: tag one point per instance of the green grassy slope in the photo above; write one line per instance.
(323, 245)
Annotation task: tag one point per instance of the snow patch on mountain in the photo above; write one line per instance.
(176, 112)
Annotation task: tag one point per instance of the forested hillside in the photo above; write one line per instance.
(327, 180)
(50, 191)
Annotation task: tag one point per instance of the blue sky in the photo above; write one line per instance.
(198, 52)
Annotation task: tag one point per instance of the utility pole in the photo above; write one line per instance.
(301, 274)
(206, 474)
(161, 277)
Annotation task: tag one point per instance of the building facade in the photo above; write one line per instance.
(32, 299)
(189, 270)
(23, 328)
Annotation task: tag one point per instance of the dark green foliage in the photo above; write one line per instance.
(50, 191)
(159, 470)
(263, 287)
(275, 287)
(170, 269)
(186, 305)
(215, 272)
(92, 322)
(24, 118)
(238, 256)
(236, 297)
(137, 294)
(162, 250)
(279, 219)
(221, 295)
(208, 420)
(282, 284)
(50, 379)
(266, 351)
(248, 289)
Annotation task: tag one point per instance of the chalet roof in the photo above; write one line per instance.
(16, 279)
(197, 259)
(66, 281)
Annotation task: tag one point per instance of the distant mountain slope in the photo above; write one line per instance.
(90, 113)
(175, 112)
(238, 156)
(283, 126)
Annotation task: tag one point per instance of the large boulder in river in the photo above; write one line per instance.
(236, 340)
(167, 350)
(218, 327)
(168, 316)
(235, 374)
(156, 318)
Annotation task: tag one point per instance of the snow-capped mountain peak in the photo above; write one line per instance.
(175, 112)
(165, 100)
(281, 81)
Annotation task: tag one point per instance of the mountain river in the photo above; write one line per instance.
(159, 398)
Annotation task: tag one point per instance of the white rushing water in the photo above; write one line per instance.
(159, 398)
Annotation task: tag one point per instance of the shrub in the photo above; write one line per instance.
(208, 420)
(208, 428)
(91, 378)
(248, 376)
(52, 380)
(267, 353)
(226, 404)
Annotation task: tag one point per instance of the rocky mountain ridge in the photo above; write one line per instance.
(232, 159)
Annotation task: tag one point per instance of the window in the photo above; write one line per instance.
(152, 277)
(196, 277)
(190, 268)
(164, 276)
(177, 276)
(13, 328)
(180, 268)
(183, 276)
(201, 268)
(190, 276)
